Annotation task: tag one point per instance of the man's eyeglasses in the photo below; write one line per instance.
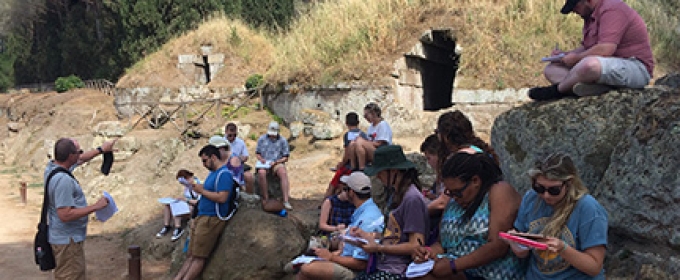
(552, 190)
(346, 189)
(231, 135)
(80, 152)
(457, 193)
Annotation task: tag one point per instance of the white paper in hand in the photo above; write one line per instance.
(553, 58)
(260, 165)
(415, 270)
(305, 259)
(107, 212)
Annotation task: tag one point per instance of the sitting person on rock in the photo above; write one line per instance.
(272, 153)
(353, 259)
(360, 151)
(185, 177)
(233, 162)
(575, 225)
(615, 52)
(343, 167)
(482, 206)
(406, 217)
(213, 212)
(437, 199)
(239, 149)
(336, 211)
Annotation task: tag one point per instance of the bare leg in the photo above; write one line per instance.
(178, 221)
(351, 153)
(250, 182)
(185, 267)
(166, 215)
(285, 186)
(317, 270)
(588, 70)
(556, 72)
(262, 177)
(195, 268)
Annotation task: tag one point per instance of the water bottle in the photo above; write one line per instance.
(39, 253)
(283, 213)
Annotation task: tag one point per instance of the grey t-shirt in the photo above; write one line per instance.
(64, 191)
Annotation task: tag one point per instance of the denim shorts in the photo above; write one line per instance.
(623, 72)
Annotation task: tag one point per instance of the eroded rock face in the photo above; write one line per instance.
(254, 245)
(625, 145)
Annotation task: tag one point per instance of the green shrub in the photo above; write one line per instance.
(63, 84)
(255, 80)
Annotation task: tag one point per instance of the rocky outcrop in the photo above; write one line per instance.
(625, 147)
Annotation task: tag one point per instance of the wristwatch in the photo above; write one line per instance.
(101, 151)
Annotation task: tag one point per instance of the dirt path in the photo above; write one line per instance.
(106, 257)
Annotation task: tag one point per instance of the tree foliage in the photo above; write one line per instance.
(100, 38)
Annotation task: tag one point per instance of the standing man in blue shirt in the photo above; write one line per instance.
(67, 210)
(208, 225)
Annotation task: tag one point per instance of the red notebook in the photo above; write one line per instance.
(523, 241)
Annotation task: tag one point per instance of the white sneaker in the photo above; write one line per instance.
(583, 89)
(162, 232)
(287, 206)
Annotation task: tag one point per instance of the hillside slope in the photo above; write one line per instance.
(347, 40)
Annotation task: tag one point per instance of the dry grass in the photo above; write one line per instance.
(246, 50)
(346, 40)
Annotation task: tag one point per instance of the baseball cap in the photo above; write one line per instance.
(569, 6)
(273, 129)
(358, 181)
(218, 141)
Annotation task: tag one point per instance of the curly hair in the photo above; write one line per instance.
(464, 166)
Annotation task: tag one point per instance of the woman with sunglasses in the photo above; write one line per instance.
(483, 205)
(574, 223)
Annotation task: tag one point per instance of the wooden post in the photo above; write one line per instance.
(22, 191)
(134, 263)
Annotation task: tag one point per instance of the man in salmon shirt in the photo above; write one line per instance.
(615, 53)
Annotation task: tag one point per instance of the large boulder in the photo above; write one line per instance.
(254, 245)
(624, 145)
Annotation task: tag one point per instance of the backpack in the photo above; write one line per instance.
(232, 199)
(44, 257)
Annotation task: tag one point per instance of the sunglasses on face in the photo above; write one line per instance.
(231, 135)
(80, 152)
(457, 193)
(346, 189)
(552, 190)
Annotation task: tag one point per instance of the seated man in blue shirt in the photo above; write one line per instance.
(353, 259)
(208, 225)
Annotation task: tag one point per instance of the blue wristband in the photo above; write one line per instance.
(452, 263)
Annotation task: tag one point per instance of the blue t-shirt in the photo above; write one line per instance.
(371, 219)
(64, 191)
(586, 228)
(225, 182)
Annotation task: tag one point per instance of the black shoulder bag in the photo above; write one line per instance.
(44, 257)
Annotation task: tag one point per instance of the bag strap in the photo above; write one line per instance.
(230, 199)
(46, 196)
